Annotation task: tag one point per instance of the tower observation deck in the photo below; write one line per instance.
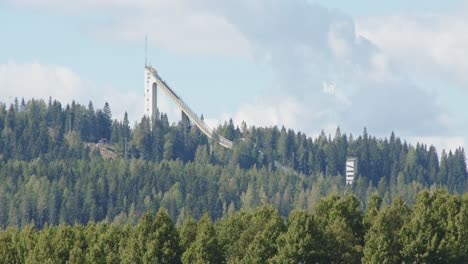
(152, 81)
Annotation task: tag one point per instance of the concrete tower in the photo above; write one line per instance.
(151, 102)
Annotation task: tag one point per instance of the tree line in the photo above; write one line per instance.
(51, 173)
(434, 230)
(38, 129)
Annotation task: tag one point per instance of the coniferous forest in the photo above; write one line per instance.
(278, 196)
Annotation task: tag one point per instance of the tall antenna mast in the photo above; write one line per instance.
(146, 50)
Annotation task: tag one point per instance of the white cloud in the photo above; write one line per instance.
(70, 6)
(308, 46)
(183, 32)
(425, 44)
(40, 81)
(272, 111)
(441, 143)
(331, 89)
(180, 26)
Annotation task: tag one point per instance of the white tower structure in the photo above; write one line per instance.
(154, 81)
(151, 100)
(351, 169)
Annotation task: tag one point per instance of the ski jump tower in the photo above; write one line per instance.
(152, 81)
(151, 99)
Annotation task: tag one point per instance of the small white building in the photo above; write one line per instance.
(351, 169)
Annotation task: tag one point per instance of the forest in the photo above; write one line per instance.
(80, 186)
(433, 230)
(52, 171)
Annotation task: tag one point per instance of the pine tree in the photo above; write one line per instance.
(303, 241)
(188, 232)
(425, 235)
(205, 248)
(266, 226)
(163, 245)
(383, 240)
(341, 221)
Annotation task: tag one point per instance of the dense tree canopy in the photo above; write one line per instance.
(52, 171)
(64, 169)
(398, 233)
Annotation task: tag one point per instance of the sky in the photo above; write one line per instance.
(307, 65)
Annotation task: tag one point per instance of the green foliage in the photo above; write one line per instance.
(383, 242)
(51, 131)
(263, 231)
(205, 248)
(427, 236)
(52, 176)
(52, 172)
(342, 222)
(188, 232)
(433, 231)
(303, 242)
(154, 241)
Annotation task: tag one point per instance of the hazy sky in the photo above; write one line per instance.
(308, 65)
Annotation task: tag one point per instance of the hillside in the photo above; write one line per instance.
(51, 173)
